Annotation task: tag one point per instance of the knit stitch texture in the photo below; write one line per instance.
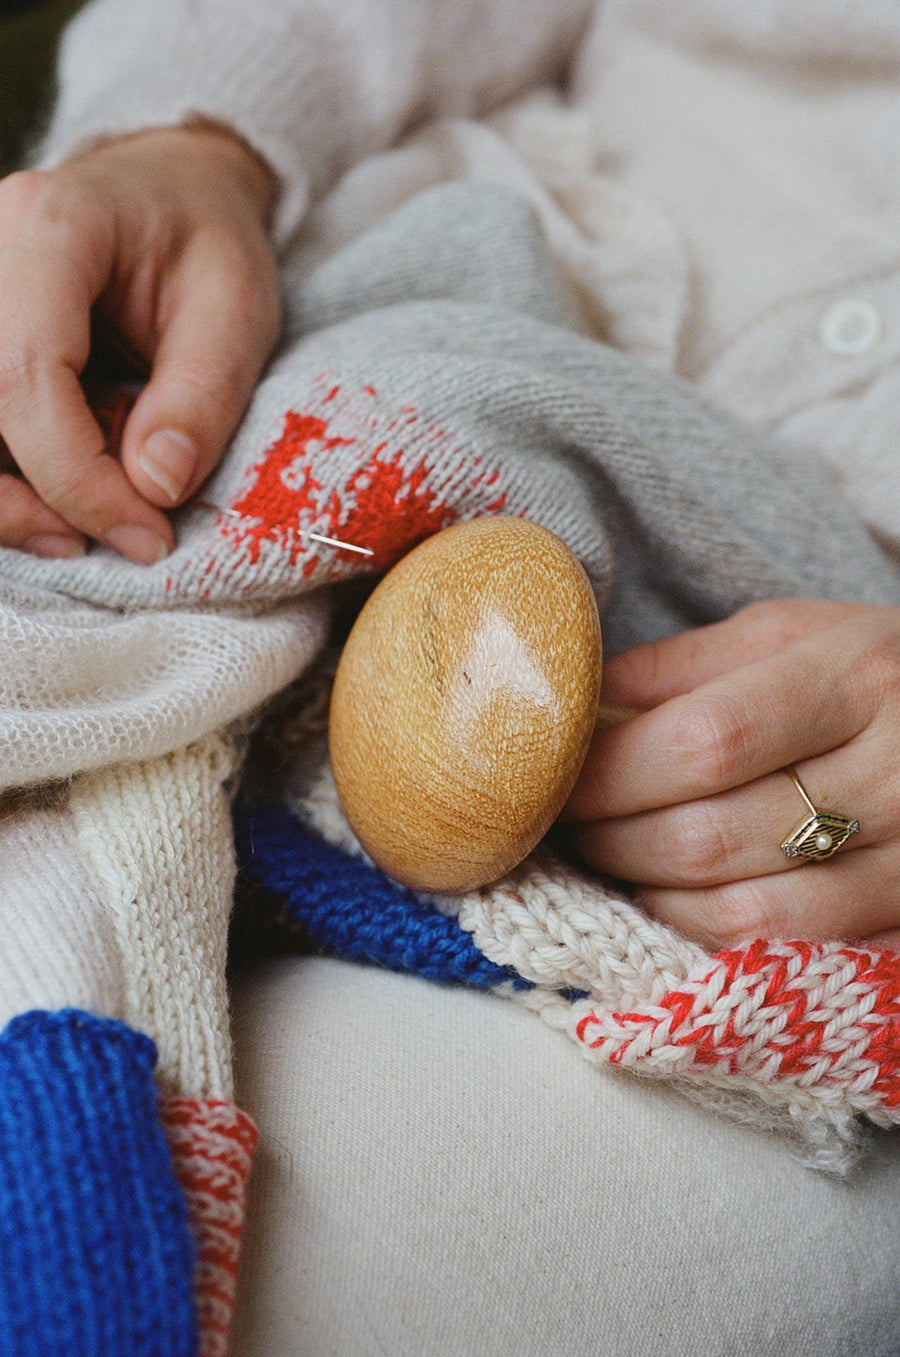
(430, 373)
(212, 1144)
(799, 1037)
(96, 1256)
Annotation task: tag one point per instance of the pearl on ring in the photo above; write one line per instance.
(821, 834)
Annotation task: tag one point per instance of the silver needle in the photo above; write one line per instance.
(314, 536)
(334, 542)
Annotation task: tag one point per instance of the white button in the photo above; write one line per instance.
(851, 327)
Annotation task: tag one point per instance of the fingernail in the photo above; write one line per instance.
(169, 457)
(142, 545)
(54, 546)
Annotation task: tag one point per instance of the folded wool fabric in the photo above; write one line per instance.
(428, 376)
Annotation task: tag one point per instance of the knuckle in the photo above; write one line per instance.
(73, 484)
(876, 670)
(648, 663)
(212, 389)
(743, 913)
(61, 487)
(773, 618)
(105, 508)
(20, 192)
(700, 843)
(54, 197)
(53, 221)
(710, 734)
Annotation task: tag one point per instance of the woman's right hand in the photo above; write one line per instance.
(161, 236)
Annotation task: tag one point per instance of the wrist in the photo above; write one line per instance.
(259, 178)
(205, 146)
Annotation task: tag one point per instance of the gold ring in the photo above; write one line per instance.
(821, 834)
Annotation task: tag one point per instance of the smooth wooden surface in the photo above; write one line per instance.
(464, 703)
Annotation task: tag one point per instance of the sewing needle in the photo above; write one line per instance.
(314, 536)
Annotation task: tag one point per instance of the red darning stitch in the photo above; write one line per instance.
(386, 504)
(284, 490)
(391, 510)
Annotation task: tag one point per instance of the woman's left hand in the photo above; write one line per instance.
(690, 802)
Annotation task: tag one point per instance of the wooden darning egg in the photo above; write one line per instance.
(464, 702)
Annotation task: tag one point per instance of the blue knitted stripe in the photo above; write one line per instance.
(348, 909)
(96, 1254)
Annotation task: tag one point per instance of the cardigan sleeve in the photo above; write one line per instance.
(312, 85)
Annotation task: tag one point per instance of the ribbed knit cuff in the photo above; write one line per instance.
(212, 1144)
(96, 1252)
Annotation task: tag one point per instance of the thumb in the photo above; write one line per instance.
(221, 331)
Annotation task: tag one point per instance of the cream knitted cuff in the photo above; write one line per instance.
(157, 839)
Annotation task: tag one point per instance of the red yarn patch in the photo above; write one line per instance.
(385, 498)
(348, 466)
(285, 490)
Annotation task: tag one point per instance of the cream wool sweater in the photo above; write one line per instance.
(719, 182)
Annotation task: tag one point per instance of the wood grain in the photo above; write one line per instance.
(464, 703)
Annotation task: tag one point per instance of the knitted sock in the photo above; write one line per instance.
(157, 838)
(96, 1256)
(379, 426)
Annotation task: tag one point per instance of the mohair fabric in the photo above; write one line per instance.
(427, 377)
